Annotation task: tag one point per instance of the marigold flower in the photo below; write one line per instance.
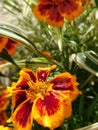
(54, 11)
(8, 44)
(47, 102)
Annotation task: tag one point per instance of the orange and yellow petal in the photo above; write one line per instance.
(66, 84)
(4, 101)
(28, 74)
(50, 13)
(21, 84)
(5, 128)
(70, 9)
(11, 46)
(42, 73)
(55, 18)
(22, 116)
(41, 11)
(9, 91)
(18, 98)
(3, 42)
(3, 117)
(50, 111)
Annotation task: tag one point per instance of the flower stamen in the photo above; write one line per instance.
(37, 89)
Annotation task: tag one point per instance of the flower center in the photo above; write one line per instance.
(37, 89)
(56, 2)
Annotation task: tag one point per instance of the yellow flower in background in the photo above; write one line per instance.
(54, 11)
(47, 102)
(8, 44)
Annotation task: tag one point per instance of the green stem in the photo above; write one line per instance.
(87, 81)
(67, 58)
(60, 39)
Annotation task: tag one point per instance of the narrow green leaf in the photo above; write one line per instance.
(91, 107)
(26, 8)
(4, 54)
(17, 34)
(81, 105)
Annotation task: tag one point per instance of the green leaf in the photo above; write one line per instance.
(4, 54)
(86, 60)
(92, 107)
(21, 36)
(26, 8)
(90, 127)
(81, 105)
(96, 1)
(17, 34)
(2, 75)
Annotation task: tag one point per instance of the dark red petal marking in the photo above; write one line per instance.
(40, 107)
(42, 75)
(45, 1)
(31, 74)
(50, 104)
(18, 98)
(54, 14)
(62, 84)
(9, 46)
(67, 7)
(22, 85)
(3, 118)
(10, 41)
(24, 113)
(44, 9)
(71, 5)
